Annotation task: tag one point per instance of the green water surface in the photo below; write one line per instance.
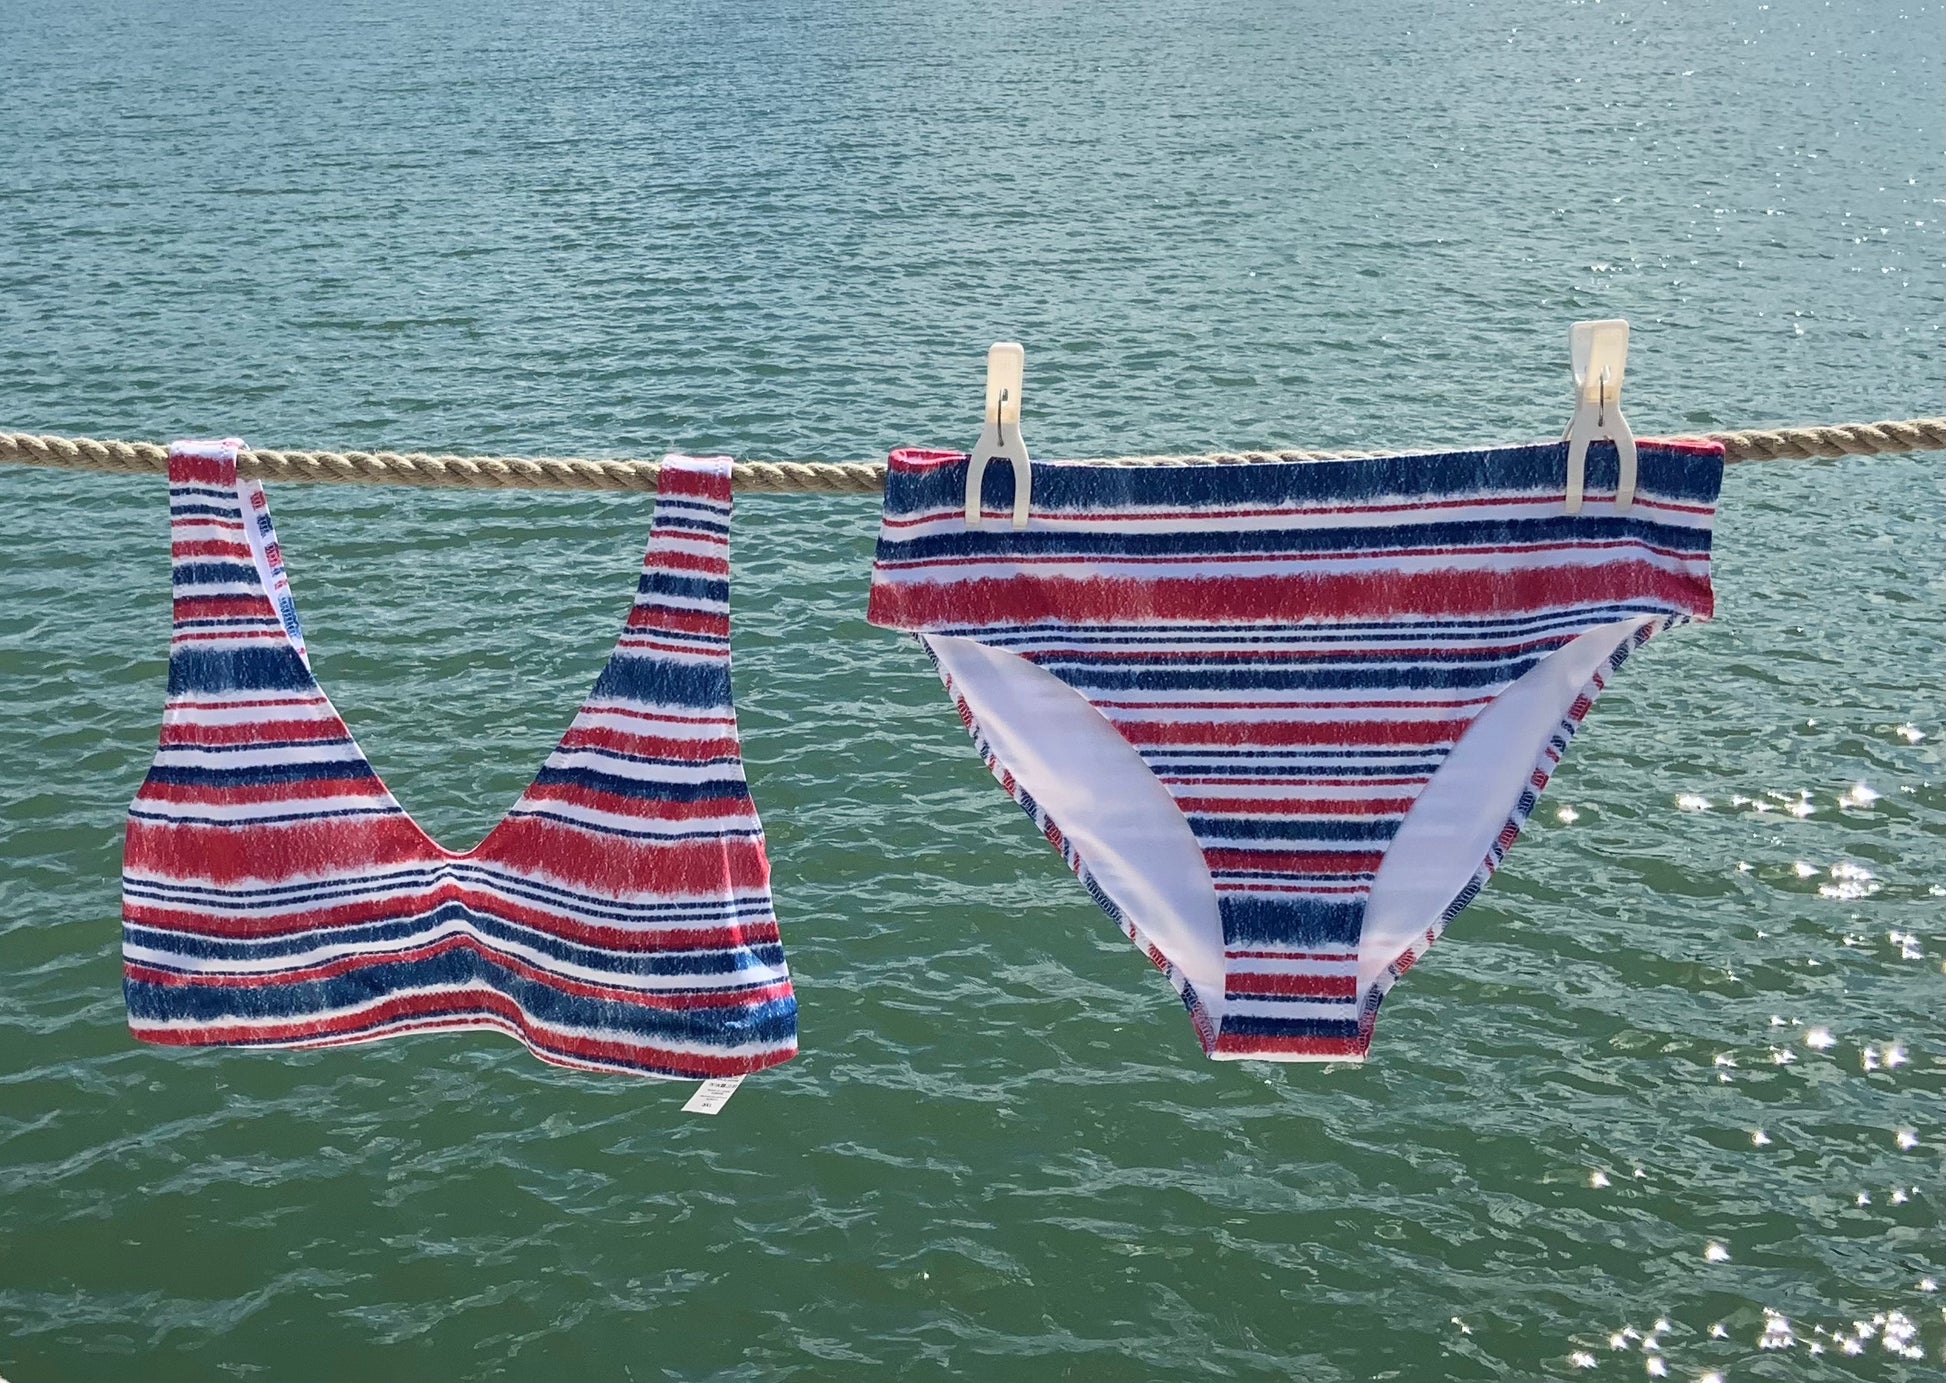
(1699, 1006)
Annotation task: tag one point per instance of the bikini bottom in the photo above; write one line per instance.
(1283, 720)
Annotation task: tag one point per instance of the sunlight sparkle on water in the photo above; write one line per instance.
(1858, 795)
(1854, 881)
(1758, 1138)
(1715, 1253)
(1820, 1038)
(1567, 815)
(1690, 802)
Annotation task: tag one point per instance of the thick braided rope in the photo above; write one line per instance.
(813, 477)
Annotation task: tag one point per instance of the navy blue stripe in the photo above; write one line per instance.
(658, 681)
(1251, 1025)
(257, 775)
(214, 573)
(769, 1022)
(1421, 674)
(1292, 920)
(661, 582)
(650, 790)
(1663, 472)
(208, 671)
(256, 745)
(1283, 828)
(609, 829)
(687, 523)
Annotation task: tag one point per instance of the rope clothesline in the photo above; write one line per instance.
(814, 477)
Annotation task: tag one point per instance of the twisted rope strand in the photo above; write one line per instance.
(814, 477)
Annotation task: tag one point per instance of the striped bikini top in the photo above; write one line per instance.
(275, 894)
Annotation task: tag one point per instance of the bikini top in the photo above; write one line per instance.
(275, 893)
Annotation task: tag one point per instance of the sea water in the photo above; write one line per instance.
(1665, 1101)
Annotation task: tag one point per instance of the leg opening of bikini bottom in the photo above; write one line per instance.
(1090, 793)
(1461, 824)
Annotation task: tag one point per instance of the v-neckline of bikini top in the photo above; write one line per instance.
(271, 576)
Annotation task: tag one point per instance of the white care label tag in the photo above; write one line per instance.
(712, 1095)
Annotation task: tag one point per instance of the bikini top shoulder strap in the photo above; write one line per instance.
(225, 558)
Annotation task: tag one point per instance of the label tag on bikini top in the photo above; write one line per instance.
(712, 1095)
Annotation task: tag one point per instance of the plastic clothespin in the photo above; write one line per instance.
(1600, 357)
(1006, 366)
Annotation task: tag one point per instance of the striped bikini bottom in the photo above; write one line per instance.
(1283, 720)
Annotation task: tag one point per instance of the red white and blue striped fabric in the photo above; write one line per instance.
(275, 894)
(1295, 652)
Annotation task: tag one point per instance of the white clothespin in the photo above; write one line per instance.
(1600, 356)
(1006, 365)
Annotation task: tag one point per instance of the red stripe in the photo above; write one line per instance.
(254, 731)
(688, 482)
(1301, 732)
(1182, 651)
(1242, 984)
(1345, 957)
(300, 699)
(1240, 1044)
(1285, 806)
(677, 620)
(593, 706)
(693, 650)
(1294, 861)
(1267, 709)
(595, 861)
(648, 746)
(222, 607)
(227, 854)
(1308, 782)
(211, 635)
(198, 470)
(1224, 886)
(1364, 595)
(922, 458)
(314, 792)
(675, 559)
(582, 857)
(211, 547)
